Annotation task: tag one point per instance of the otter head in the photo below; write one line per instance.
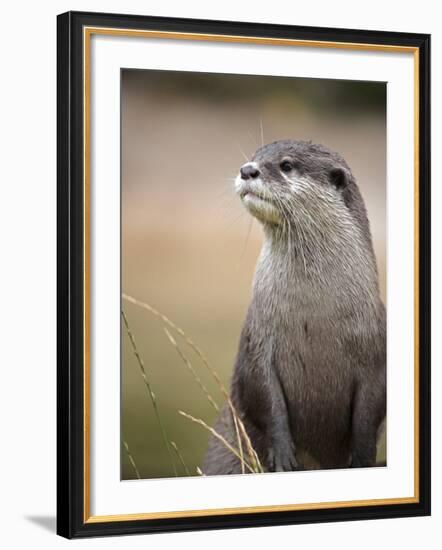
(293, 183)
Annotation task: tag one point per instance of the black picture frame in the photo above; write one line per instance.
(71, 518)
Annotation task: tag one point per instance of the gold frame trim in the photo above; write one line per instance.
(87, 33)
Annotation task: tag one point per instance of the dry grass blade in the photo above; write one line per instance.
(149, 389)
(239, 439)
(188, 364)
(181, 332)
(251, 451)
(131, 460)
(180, 457)
(219, 437)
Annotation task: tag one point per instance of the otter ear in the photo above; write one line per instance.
(339, 178)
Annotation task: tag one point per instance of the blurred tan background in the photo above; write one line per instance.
(188, 247)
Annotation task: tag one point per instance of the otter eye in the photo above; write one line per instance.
(286, 166)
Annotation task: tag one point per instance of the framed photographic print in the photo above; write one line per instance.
(243, 274)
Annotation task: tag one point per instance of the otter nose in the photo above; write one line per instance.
(248, 171)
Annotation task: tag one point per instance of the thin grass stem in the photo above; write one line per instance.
(239, 439)
(149, 389)
(180, 457)
(131, 459)
(252, 453)
(219, 437)
(188, 364)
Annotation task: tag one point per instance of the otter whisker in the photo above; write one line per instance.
(242, 153)
(262, 132)
(227, 192)
(286, 223)
(299, 211)
(252, 139)
(235, 220)
(249, 230)
(299, 231)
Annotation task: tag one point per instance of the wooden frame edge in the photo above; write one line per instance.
(88, 521)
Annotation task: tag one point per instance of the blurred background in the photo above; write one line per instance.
(189, 248)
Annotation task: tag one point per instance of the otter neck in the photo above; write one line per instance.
(322, 260)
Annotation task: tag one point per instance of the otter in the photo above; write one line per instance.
(309, 380)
